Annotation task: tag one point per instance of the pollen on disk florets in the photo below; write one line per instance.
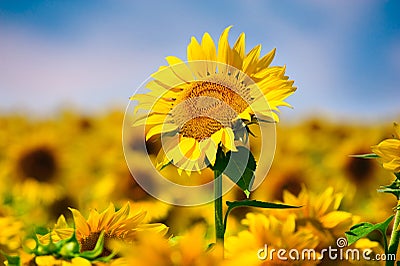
(210, 105)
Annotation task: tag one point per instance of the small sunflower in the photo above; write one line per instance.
(211, 99)
(191, 248)
(389, 151)
(51, 260)
(275, 233)
(12, 231)
(320, 214)
(122, 224)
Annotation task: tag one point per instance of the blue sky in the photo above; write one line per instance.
(91, 55)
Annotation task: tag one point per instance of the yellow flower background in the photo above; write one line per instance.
(75, 161)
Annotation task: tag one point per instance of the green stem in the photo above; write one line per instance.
(395, 237)
(219, 220)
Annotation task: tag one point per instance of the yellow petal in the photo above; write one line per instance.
(334, 218)
(393, 165)
(194, 53)
(153, 119)
(251, 60)
(289, 226)
(180, 69)
(245, 115)
(107, 215)
(224, 50)
(168, 78)
(209, 50)
(81, 225)
(184, 146)
(158, 129)
(217, 136)
(239, 49)
(210, 149)
(266, 60)
(93, 220)
(149, 102)
(228, 139)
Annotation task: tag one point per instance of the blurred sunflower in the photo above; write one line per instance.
(268, 230)
(36, 155)
(123, 224)
(189, 249)
(389, 151)
(51, 260)
(320, 214)
(211, 99)
(12, 233)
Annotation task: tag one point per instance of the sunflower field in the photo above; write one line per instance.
(68, 174)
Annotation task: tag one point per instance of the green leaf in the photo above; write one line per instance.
(254, 203)
(238, 166)
(361, 230)
(365, 156)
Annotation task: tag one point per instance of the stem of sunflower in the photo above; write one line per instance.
(219, 219)
(395, 237)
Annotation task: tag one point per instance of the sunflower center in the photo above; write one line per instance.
(219, 92)
(200, 127)
(207, 107)
(39, 164)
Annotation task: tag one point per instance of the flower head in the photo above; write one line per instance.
(122, 224)
(320, 214)
(268, 230)
(389, 151)
(210, 100)
(191, 248)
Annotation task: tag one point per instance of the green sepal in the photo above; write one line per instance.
(210, 246)
(365, 156)
(397, 175)
(165, 165)
(361, 230)
(393, 188)
(254, 203)
(238, 166)
(69, 248)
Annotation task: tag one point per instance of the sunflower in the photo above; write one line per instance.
(267, 230)
(191, 248)
(389, 151)
(320, 214)
(210, 100)
(12, 231)
(123, 224)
